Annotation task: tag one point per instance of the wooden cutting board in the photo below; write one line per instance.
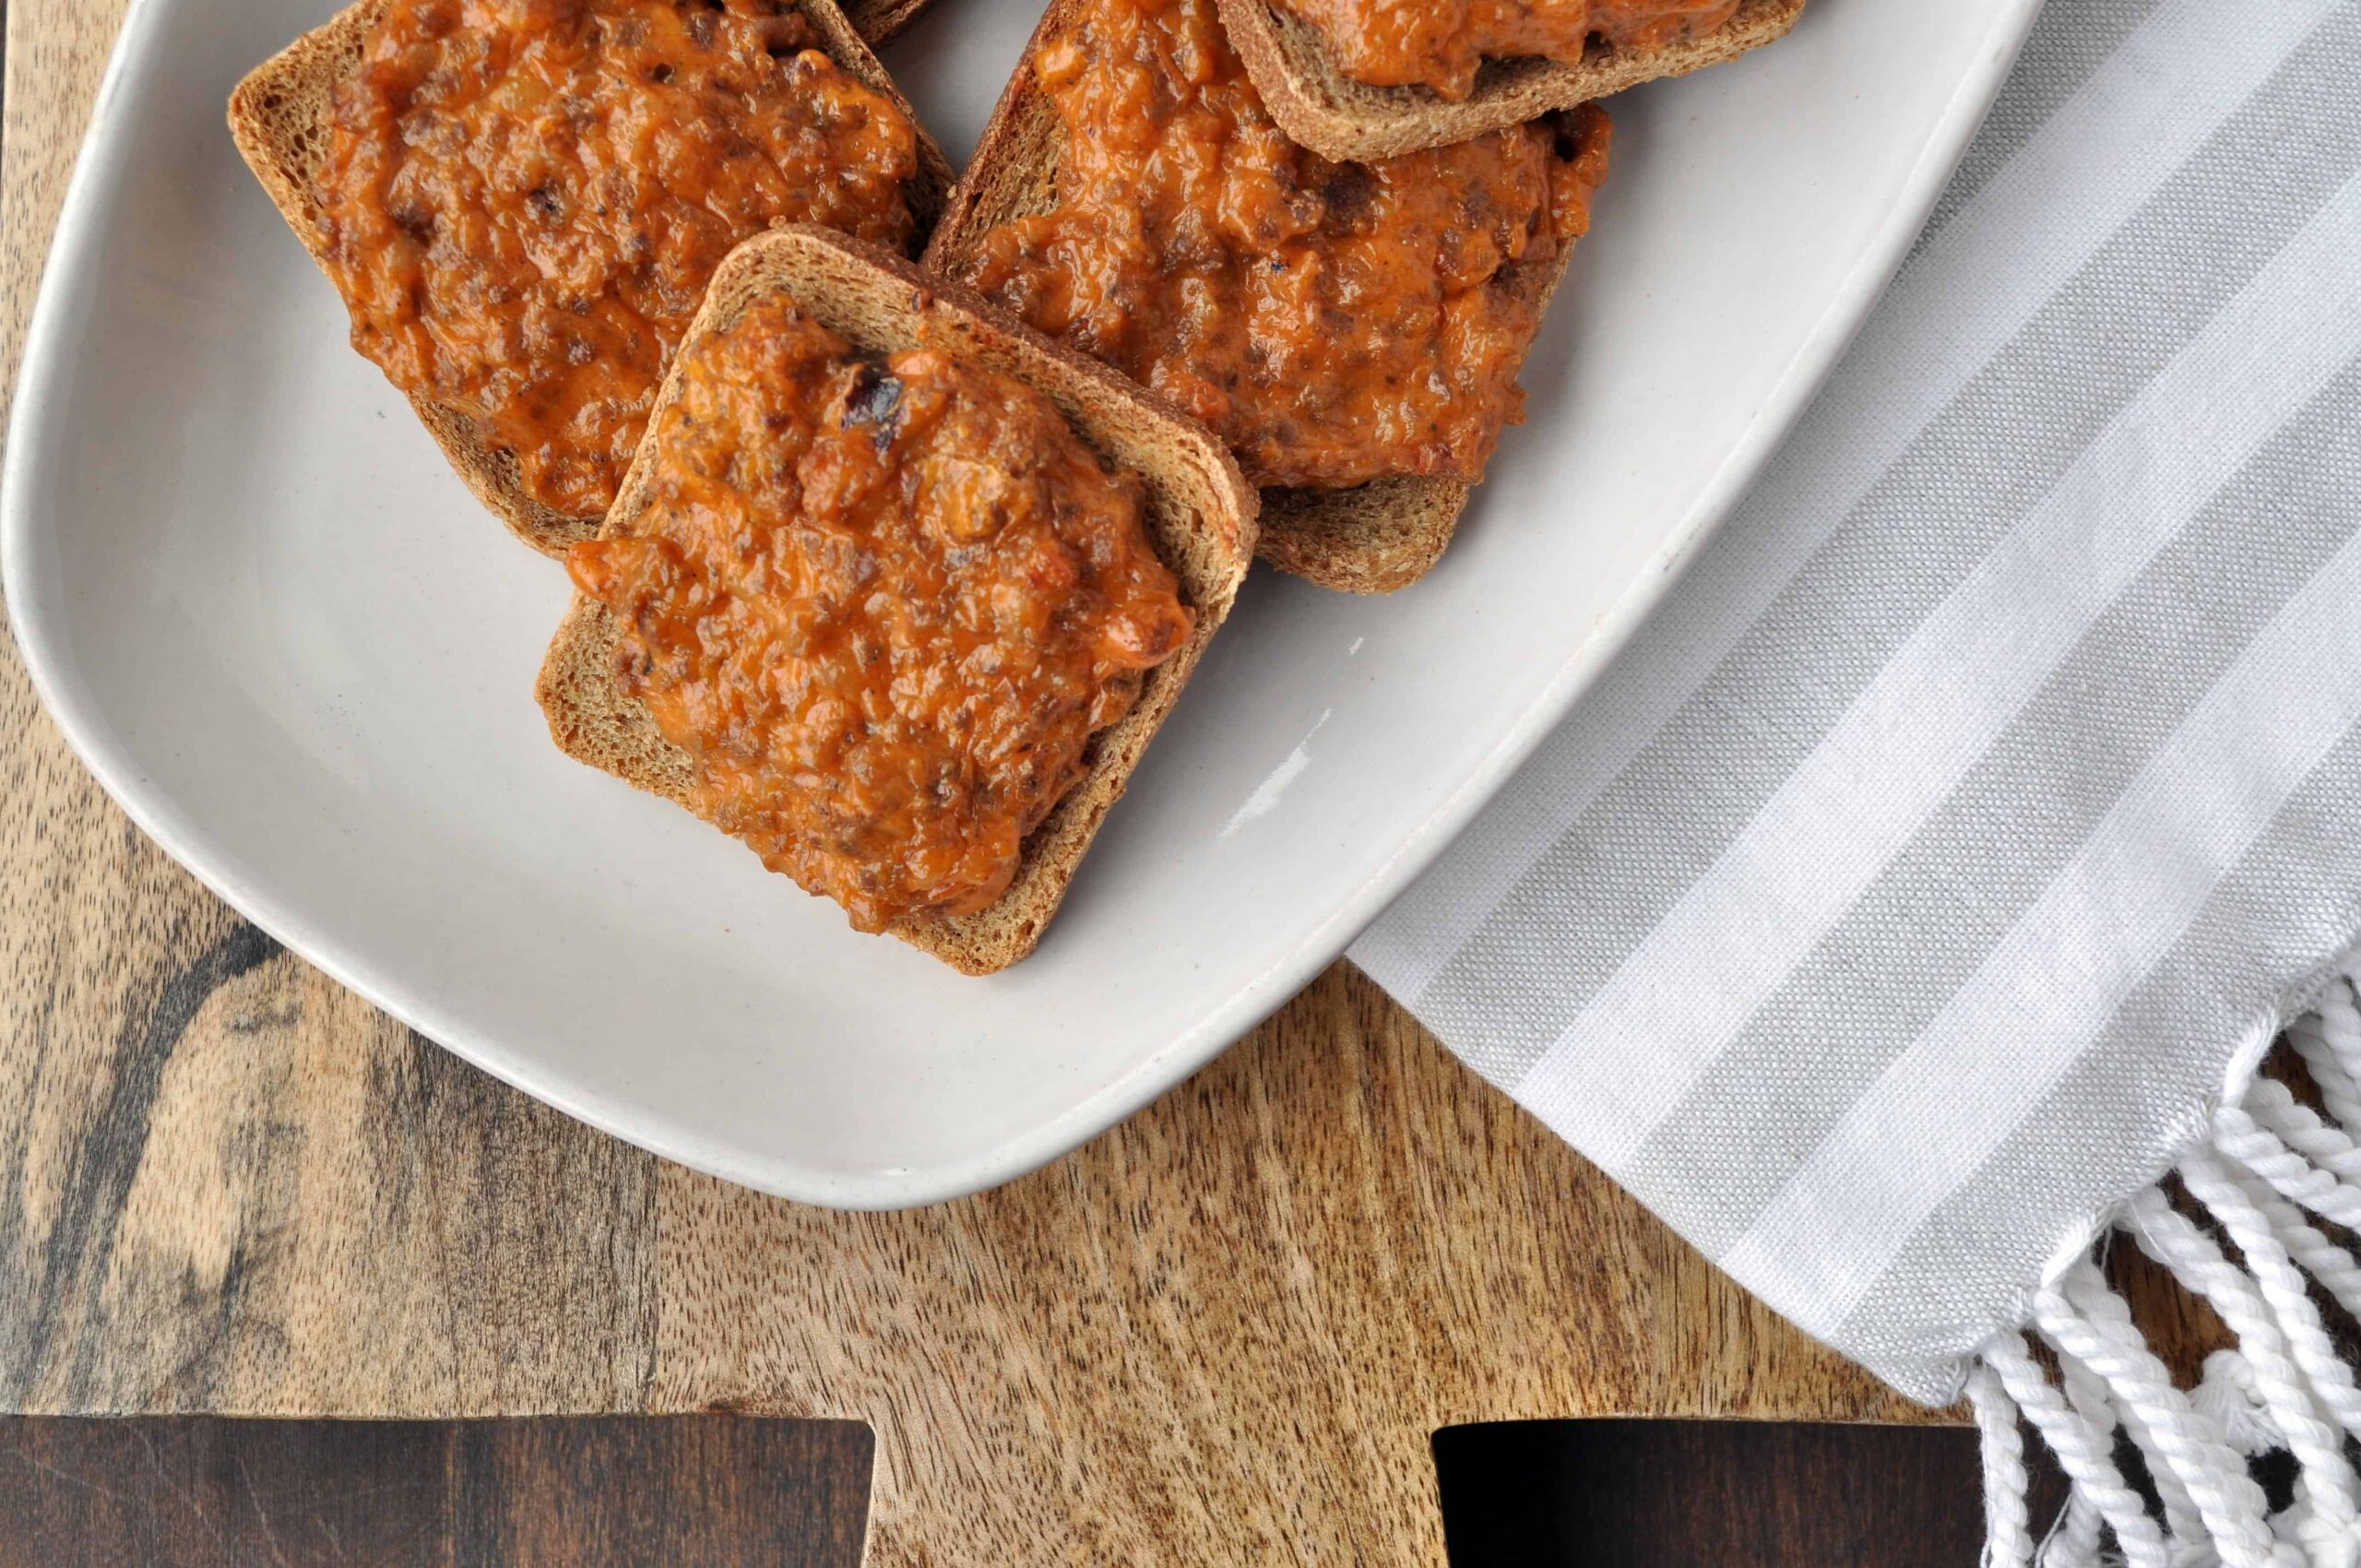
(1223, 1334)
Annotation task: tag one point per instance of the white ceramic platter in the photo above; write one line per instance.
(284, 637)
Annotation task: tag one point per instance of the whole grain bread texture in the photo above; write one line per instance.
(1374, 538)
(279, 116)
(1353, 122)
(1201, 517)
(879, 20)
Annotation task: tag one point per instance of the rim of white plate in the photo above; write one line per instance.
(33, 437)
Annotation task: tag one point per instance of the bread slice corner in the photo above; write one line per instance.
(1353, 122)
(879, 21)
(1374, 538)
(279, 118)
(1201, 515)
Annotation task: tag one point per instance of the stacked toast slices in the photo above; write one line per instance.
(1372, 539)
(1384, 535)
(1200, 516)
(1321, 107)
(279, 118)
(1205, 520)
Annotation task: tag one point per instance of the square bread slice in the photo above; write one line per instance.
(279, 118)
(1372, 539)
(1201, 515)
(1353, 122)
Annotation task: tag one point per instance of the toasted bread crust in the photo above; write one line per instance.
(1375, 538)
(279, 118)
(878, 21)
(1353, 122)
(1201, 515)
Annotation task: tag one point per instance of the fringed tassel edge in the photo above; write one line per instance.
(2269, 1168)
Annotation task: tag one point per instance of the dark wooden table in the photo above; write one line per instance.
(717, 1491)
(1226, 1332)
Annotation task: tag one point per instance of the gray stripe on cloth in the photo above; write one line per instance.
(2068, 42)
(1504, 996)
(2289, 908)
(1882, 973)
(2085, 174)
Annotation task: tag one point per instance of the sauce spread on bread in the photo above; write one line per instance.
(1440, 44)
(1335, 323)
(882, 605)
(523, 201)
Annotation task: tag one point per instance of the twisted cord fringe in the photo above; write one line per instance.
(2270, 1170)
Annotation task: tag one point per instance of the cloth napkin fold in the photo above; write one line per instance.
(1929, 878)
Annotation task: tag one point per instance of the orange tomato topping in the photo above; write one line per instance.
(882, 606)
(1337, 323)
(523, 201)
(1441, 45)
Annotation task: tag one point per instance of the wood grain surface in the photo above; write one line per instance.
(698, 1491)
(719, 1492)
(1223, 1334)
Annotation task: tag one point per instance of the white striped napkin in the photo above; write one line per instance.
(1928, 880)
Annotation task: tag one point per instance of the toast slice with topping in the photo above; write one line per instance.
(280, 115)
(1353, 122)
(1199, 514)
(1373, 538)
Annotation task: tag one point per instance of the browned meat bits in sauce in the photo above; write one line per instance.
(523, 201)
(1337, 323)
(882, 605)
